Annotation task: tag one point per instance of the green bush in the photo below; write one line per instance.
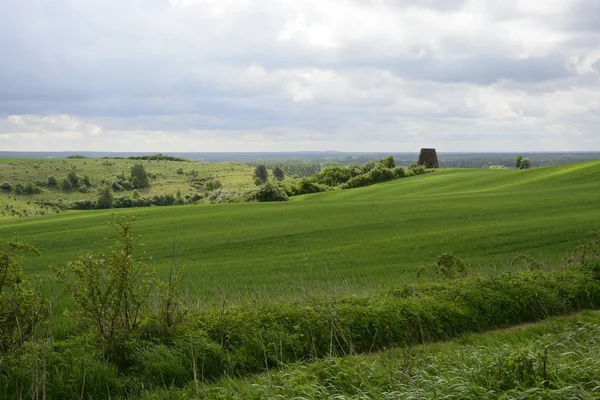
(6, 186)
(213, 184)
(22, 307)
(52, 181)
(267, 192)
(111, 292)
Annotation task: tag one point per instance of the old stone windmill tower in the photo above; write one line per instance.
(428, 158)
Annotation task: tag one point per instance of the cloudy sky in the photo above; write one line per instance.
(287, 75)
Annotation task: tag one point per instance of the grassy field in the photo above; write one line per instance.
(556, 359)
(350, 240)
(233, 177)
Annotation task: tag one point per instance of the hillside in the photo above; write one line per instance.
(346, 240)
(90, 174)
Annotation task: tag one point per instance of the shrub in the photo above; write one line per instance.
(110, 291)
(388, 162)
(66, 185)
(267, 192)
(400, 172)
(22, 308)
(213, 185)
(19, 188)
(448, 266)
(525, 163)
(139, 177)
(52, 181)
(333, 175)
(30, 188)
(6, 186)
(105, 198)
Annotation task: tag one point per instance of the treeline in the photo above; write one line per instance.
(134, 333)
(153, 157)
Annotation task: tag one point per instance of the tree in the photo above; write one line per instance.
(525, 163)
(105, 198)
(518, 161)
(261, 173)
(388, 162)
(278, 173)
(139, 177)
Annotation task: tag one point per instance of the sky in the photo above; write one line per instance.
(297, 75)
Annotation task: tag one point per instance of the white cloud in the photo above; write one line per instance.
(239, 75)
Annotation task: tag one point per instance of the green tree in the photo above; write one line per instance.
(388, 162)
(105, 198)
(139, 177)
(261, 173)
(278, 173)
(525, 163)
(518, 161)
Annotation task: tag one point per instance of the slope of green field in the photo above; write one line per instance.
(351, 239)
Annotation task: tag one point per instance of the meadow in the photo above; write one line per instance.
(346, 240)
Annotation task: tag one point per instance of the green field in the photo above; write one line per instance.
(348, 240)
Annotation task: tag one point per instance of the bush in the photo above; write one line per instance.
(400, 172)
(52, 181)
(66, 185)
(333, 175)
(6, 186)
(388, 162)
(30, 188)
(22, 308)
(267, 192)
(105, 198)
(19, 188)
(139, 177)
(111, 292)
(213, 185)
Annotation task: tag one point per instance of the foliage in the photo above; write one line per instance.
(6, 186)
(388, 162)
(260, 172)
(278, 173)
(525, 163)
(158, 157)
(268, 191)
(448, 266)
(213, 184)
(22, 308)
(105, 198)
(52, 181)
(111, 291)
(518, 161)
(139, 177)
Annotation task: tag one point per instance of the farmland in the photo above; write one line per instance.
(314, 291)
(363, 238)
